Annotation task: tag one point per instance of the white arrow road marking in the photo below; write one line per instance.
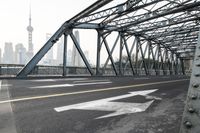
(119, 108)
(67, 85)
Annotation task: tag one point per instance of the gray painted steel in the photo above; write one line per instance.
(191, 117)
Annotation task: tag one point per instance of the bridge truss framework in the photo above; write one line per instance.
(165, 33)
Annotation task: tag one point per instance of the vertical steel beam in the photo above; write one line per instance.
(165, 61)
(172, 63)
(169, 62)
(65, 55)
(182, 66)
(176, 65)
(149, 58)
(98, 53)
(136, 56)
(162, 63)
(154, 58)
(120, 54)
(191, 116)
(158, 59)
(169, 56)
(81, 53)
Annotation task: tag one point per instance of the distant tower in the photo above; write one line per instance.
(20, 54)
(30, 43)
(76, 58)
(0, 56)
(59, 57)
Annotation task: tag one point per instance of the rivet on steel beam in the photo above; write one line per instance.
(188, 124)
(195, 85)
(197, 75)
(191, 110)
(194, 97)
(198, 65)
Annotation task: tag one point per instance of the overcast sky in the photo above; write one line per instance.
(47, 17)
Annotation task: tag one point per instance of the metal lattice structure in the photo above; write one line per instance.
(165, 33)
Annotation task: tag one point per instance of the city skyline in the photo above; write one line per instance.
(43, 21)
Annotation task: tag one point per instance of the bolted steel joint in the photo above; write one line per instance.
(197, 75)
(194, 97)
(188, 124)
(195, 85)
(191, 110)
(198, 65)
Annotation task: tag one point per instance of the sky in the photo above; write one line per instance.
(47, 17)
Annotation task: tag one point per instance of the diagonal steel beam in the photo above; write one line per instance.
(77, 45)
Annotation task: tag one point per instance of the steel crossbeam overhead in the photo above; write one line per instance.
(151, 37)
(154, 37)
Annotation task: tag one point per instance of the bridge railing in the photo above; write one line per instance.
(13, 69)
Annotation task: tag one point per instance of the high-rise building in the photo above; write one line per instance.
(30, 43)
(0, 56)
(76, 58)
(69, 57)
(20, 54)
(8, 55)
(49, 56)
(60, 49)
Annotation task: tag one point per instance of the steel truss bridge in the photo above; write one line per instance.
(161, 33)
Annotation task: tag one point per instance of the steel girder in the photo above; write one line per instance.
(161, 30)
(163, 33)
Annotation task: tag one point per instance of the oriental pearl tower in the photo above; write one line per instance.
(30, 44)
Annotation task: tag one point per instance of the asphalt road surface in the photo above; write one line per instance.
(93, 105)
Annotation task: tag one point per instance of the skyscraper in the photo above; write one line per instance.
(76, 58)
(60, 49)
(20, 54)
(30, 43)
(0, 56)
(69, 57)
(49, 55)
(8, 55)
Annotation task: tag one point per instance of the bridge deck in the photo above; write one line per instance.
(28, 106)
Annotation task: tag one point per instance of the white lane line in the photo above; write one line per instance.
(0, 85)
(53, 80)
(8, 126)
(51, 86)
(43, 80)
(91, 81)
(71, 79)
(90, 91)
(6, 85)
(141, 78)
(67, 85)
